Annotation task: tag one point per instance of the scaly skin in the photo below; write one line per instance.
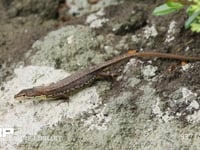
(63, 88)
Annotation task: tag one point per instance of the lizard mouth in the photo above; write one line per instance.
(20, 98)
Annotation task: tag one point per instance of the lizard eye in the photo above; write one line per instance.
(23, 94)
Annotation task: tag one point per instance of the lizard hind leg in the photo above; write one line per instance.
(112, 72)
(107, 75)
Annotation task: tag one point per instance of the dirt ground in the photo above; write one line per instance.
(131, 25)
(22, 26)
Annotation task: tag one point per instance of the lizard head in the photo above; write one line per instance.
(27, 93)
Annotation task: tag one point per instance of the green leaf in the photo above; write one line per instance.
(195, 27)
(191, 19)
(175, 5)
(167, 8)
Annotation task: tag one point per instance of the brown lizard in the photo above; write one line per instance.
(63, 88)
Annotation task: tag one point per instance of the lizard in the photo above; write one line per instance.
(65, 87)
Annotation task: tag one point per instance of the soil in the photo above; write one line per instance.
(21, 25)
